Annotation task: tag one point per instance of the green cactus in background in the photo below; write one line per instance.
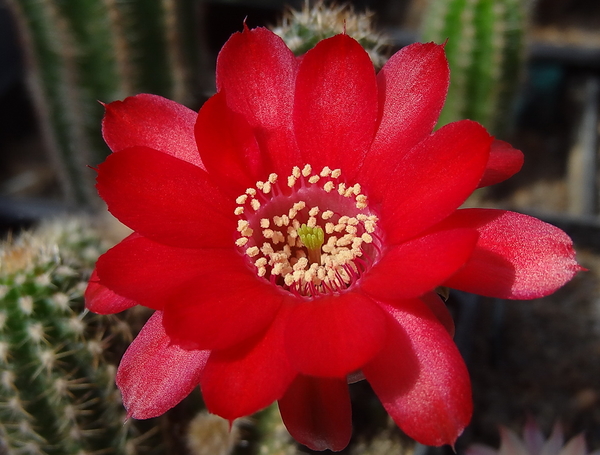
(485, 49)
(57, 389)
(274, 439)
(302, 30)
(79, 52)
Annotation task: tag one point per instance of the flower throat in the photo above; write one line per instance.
(314, 237)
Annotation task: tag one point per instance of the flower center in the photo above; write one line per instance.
(312, 237)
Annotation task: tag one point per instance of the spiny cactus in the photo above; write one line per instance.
(83, 51)
(274, 438)
(301, 30)
(485, 49)
(210, 434)
(57, 392)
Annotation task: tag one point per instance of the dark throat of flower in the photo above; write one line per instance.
(314, 236)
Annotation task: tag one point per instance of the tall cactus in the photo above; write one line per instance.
(57, 390)
(79, 52)
(485, 49)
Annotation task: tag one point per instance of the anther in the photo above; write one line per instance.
(326, 172)
(361, 201)
(300, 205)
(329, 186)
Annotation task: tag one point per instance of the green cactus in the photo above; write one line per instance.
(302, 30)
(274, 439)
(485, 49)
(57, 389)
(83, 51)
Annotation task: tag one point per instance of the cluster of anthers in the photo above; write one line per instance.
(314, 236)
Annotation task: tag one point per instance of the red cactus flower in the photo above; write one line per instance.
(291, 234)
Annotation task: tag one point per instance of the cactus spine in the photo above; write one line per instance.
(303, 29)
(57, 392)
(485, 50)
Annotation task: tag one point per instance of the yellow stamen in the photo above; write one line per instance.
(320, 256)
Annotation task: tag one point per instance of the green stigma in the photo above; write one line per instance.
(312, 238)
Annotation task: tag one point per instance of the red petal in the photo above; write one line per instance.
(154, 275)
(317, 412)
(227, 145)
(433, 179)
(154, 374)
(222, 308)
(335, 106)
(420, 377)
(415, 267)
(439, 310)
(166, 199)
(242, 380)
(412, 89)
(516, 257)
(505, 161)
(154, 122)
(99, 299)
(334, 336)
(257, 72)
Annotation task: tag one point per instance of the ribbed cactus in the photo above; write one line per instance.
(57, 389)
(302, 30)
(485, 49)
(79, 52)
